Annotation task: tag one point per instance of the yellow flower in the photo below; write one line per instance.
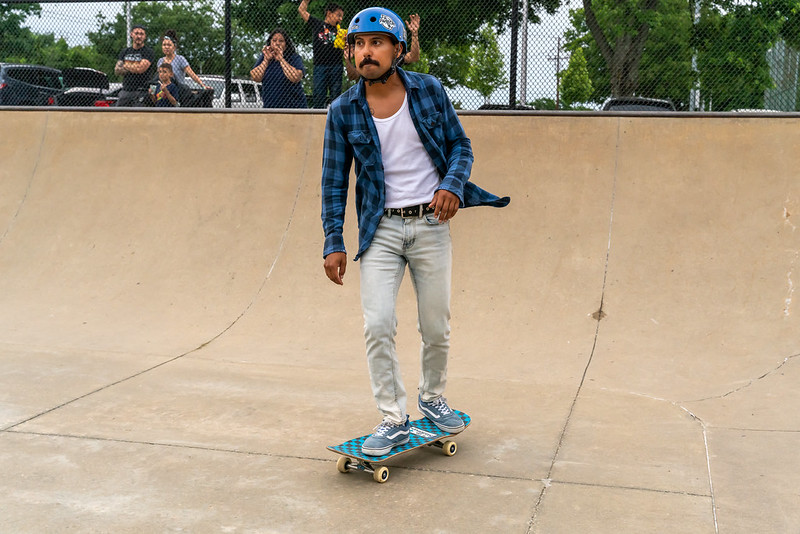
(341, 35)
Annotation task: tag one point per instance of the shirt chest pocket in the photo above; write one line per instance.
(432, 123)
(364, 150)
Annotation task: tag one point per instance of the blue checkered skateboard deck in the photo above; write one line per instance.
(423, 433)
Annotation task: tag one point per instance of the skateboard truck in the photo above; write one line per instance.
(345, 464)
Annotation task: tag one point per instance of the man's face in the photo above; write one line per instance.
(374, 54)
(138, 35)
(334, 18)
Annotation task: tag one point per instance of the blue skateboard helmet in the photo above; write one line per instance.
(378, 20)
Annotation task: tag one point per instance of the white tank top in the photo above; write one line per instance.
(410, 176)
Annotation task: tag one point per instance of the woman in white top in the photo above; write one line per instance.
(180, 66)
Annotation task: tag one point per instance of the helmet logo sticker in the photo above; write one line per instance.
(387, 22)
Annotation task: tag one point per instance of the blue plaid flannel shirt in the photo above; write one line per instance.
(350, 135)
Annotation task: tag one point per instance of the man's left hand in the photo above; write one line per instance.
(445, 205)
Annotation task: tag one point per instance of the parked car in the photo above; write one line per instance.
(637, 103)
(110, 97)
(84, 87)
(244, 93)
(28, 85)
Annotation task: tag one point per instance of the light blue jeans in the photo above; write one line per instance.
(425, 246)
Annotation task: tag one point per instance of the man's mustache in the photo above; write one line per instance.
(368, 61)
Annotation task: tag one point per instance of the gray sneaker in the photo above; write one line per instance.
(440, 414)
(386, 436)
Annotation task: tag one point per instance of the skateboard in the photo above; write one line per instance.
(423, 433)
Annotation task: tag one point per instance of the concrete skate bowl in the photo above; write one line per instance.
(625, 330)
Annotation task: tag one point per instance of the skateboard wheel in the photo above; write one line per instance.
(449, 448)
(343, 464)
(381, 474)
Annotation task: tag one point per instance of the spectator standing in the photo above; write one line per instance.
(180, 65)
(328, 52)
(136, 66)
(280, 71)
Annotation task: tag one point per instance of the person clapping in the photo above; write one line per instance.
(280, 71)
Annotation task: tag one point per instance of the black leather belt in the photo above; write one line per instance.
(409, 212)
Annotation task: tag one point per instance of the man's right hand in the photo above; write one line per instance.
(335, 266)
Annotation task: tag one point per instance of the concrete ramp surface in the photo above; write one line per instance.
(625, 332)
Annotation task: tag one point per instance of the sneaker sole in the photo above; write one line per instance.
(450, 429)
(384, 451)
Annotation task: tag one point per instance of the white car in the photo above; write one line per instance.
(244, 93)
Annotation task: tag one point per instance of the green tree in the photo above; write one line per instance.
(620, 30)
(19, 44)
(16, 42)
(732, 46)
(575, 84)
(646, 47)
(543, 104)
(635, 48)
(57, 53)
(485, 72)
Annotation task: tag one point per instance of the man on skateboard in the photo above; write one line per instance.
(412, 165)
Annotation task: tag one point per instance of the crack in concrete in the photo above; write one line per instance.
(627, 488)
(708, 466)
(598, 315)
(545, 482)
(281, 246)
(206, 343)
(750, 383)
(703, 425)
(13, 220)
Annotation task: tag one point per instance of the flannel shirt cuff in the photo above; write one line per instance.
(333, 243)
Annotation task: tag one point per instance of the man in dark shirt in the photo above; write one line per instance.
(136, 65)
(328, 67)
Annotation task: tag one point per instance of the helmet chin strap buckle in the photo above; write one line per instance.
(384, 77)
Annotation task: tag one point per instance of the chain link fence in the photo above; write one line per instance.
(699, 56)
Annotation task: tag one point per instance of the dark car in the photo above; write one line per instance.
(637, 103)
(28, 85)
(84, 87)
(88, 87)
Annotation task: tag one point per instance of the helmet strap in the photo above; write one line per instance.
(388, 74)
